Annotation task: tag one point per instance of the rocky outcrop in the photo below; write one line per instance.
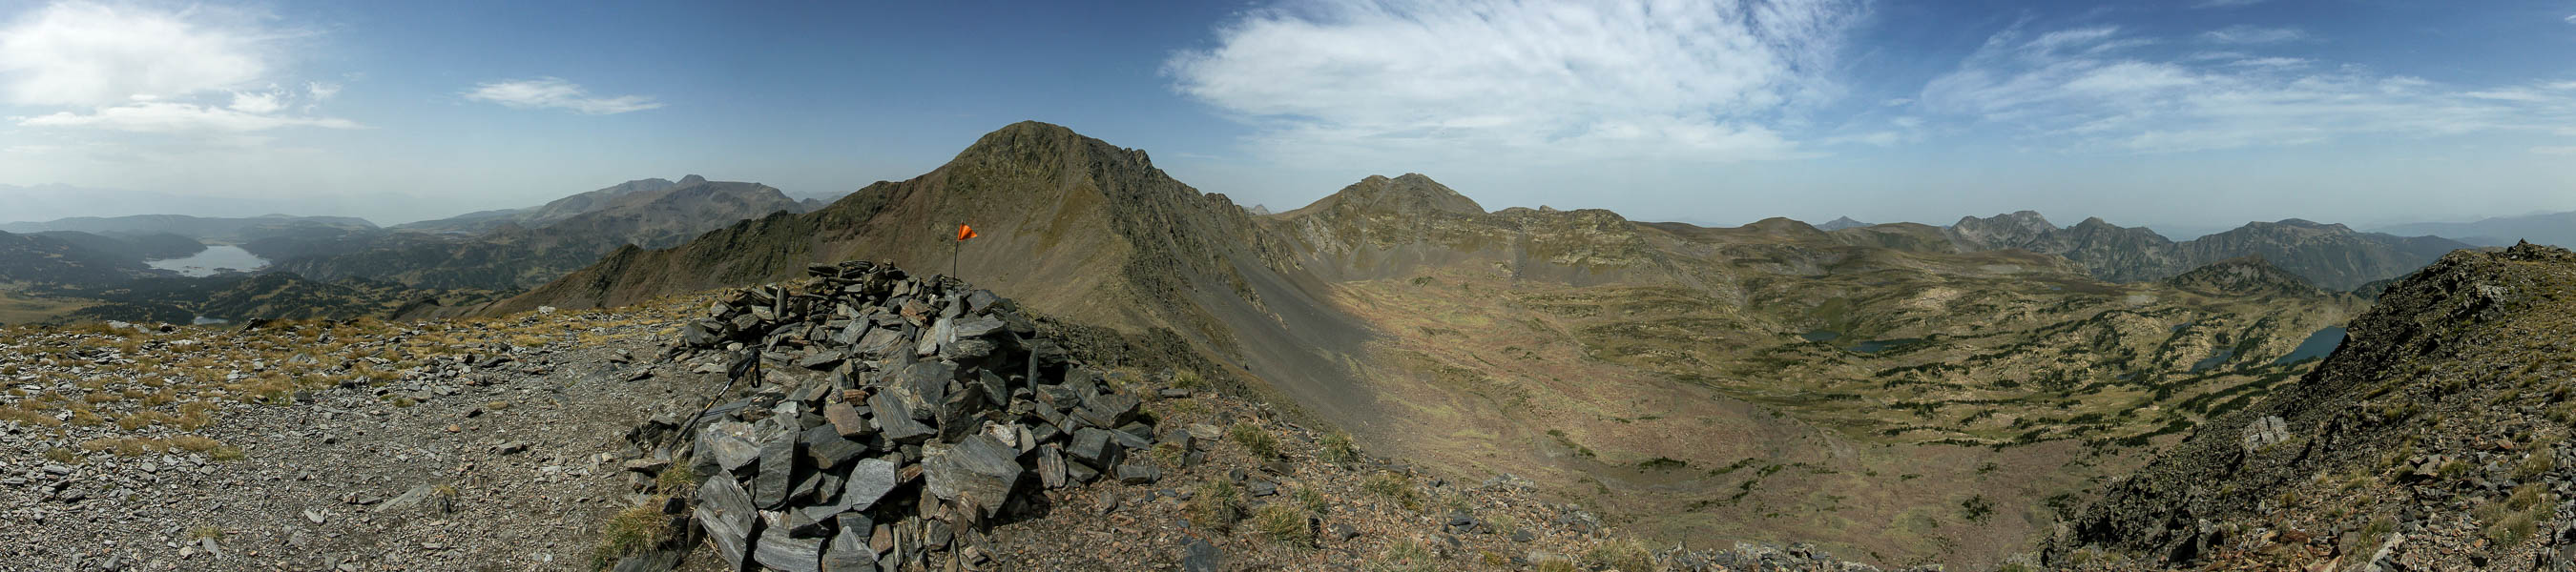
(896, 416)
(2434, 438)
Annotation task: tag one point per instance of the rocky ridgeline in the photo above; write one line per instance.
(895, 416)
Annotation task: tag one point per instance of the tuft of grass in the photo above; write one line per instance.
(1168, 455)
(1312, 499)
(1394, 486)
(204, 531)
(678, 479)
(1255, 440)
(2540, 462)
(1625, 555)
(1284, 524)
(2513, 520)
(631, 531)
(1189, 379)
(1558, 565)
(64, 456)
(2455, 469)
(1216, 506)
(1406, 555)
(1338, 449)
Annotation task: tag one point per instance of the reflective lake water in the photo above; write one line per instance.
(215, 259)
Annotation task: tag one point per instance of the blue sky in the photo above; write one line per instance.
(2185, 113)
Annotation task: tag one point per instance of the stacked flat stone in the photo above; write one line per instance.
(894, 416)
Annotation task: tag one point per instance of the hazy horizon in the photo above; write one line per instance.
(2186, 115)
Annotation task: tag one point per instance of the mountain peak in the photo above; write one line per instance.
(1406, 194)
(690, 180)
(1840, 223)
(1035, 143)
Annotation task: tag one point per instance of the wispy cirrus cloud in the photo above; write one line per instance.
(2225, 3)
(2064, 89)
(2245, 34)
(143, 69)
(555, 93)
(1423, 79)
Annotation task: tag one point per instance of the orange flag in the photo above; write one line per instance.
(965, 232)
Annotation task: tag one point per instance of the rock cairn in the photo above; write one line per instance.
(891, 416)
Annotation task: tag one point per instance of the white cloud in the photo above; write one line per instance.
(1418, 79)
(257, 103)
(2244, 34)
(83, 54)
(142, 69)
(2571, 18)
(2065, 93)
(321, 91)
(170, 117)
(2225, 3)
(556, 93)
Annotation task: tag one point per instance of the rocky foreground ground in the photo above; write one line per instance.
(514, 444)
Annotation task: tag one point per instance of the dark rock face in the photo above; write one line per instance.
(866, 451)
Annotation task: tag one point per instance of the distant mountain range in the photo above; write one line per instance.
(2557, 229)
(195, 227)
(2330, 255)
(514, 249)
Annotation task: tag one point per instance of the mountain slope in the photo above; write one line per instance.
(1071, 225)
(46, 259)
(2434, 438)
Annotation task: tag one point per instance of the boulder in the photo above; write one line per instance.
(869, 480)
(846, 420)
(780, 551)
(1138, 474)
(1109, 410)
(894, 420)
(777, 472)
(726, 514)
(1095, 447)
(849, 552)
(978, 471)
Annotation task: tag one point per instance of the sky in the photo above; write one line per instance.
(2183, 114)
